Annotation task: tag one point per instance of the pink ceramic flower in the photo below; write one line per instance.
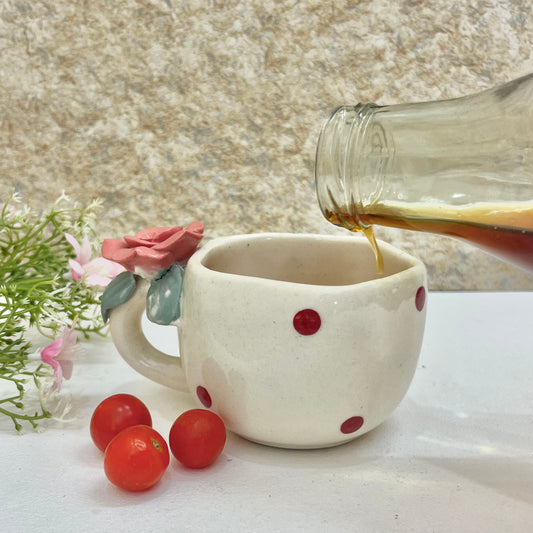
(97, 272)
(154, 249)
(60, 355)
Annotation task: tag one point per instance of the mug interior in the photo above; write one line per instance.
(309, 259)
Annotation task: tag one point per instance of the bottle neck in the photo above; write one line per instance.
(467, 151)
(351, 162)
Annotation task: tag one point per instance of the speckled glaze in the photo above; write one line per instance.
(294, 340)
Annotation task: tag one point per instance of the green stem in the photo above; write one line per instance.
(33, 262)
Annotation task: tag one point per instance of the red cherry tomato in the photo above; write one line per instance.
(197, 438)
(115, 414)
(136, 458)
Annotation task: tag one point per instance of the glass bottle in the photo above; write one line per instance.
(461, 167)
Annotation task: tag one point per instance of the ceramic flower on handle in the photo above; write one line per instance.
(158, 255)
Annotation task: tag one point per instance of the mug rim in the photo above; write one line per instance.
(413, 264)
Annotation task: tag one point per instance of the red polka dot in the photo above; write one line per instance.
(352, 424)
(204, 396)
(420, 298)
(306, 322)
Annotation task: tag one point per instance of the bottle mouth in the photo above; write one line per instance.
(349, 164)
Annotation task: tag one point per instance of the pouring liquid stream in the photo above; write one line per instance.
(504, 230)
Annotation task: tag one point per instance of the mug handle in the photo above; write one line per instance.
(129, 339)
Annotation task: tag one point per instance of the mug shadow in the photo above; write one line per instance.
(360, 450)
(482, 449)
(492, 450)
(510, 476)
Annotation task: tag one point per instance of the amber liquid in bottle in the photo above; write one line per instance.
(506, 231)
(460, 167)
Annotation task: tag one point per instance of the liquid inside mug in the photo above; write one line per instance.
(294, 340)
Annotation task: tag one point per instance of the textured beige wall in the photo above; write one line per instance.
(176, 110)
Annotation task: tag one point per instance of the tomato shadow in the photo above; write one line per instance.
(102, 493)
(210, 471)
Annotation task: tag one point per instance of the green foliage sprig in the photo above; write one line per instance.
(37, 292)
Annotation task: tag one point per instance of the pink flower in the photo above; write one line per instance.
(154, 249)
(97, 272)
(60, 355)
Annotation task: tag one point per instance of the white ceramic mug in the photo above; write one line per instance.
(293, 339)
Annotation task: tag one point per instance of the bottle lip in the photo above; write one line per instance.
(340, 165)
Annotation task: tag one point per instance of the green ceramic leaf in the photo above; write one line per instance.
(163, 298)
(119, 291)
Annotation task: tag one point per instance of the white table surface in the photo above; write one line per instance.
(456, 456)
